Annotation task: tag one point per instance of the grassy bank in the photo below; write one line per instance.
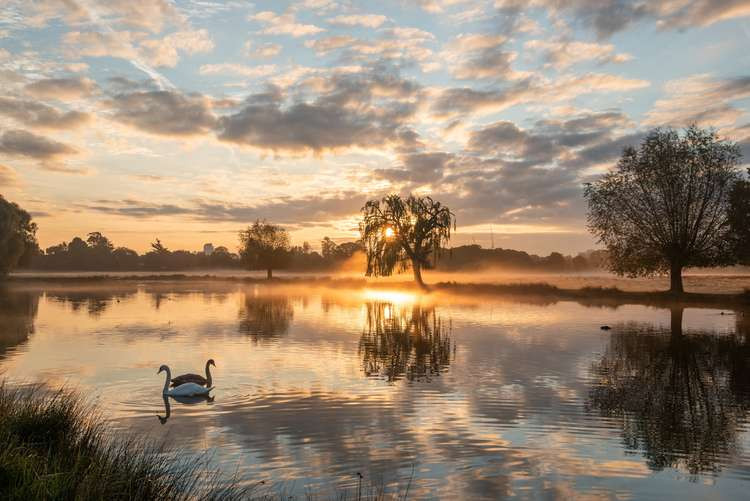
(56, 447)
(600, 296)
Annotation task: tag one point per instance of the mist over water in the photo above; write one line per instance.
(468, 397)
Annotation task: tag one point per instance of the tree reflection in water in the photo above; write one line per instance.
(95, 302)
(680, 397)
(18, 309)
(265, 317)
(398, 342)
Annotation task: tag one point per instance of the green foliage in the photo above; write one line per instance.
(17, 235)
(264, 246)
(739, 220)
(399, 232)
(665, 205)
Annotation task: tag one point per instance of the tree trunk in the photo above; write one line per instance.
(269, 274)
(675, 279)
(418, 274)
(676, 321)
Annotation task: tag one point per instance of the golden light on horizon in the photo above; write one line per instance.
(395, 297)
(389, 232)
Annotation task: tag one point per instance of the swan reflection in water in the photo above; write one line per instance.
(404, 341)
(183, 400)
(680, 397)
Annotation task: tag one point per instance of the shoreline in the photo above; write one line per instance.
(589, 296)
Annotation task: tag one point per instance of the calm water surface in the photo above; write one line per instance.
(470, 397)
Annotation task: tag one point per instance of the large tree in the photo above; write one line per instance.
(665, 205)
(17, 235)
(264, 246)
(398, 232)
(739, 220)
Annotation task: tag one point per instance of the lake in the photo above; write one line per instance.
(456, 397)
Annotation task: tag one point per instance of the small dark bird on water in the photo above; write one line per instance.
(605, 327)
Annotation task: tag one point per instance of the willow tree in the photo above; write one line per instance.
(398, 233)
(264, 246)
(665, 205)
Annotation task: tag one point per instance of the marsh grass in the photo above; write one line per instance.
(56, 447)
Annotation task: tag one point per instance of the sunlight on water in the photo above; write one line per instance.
(390, 296)
(472, 397)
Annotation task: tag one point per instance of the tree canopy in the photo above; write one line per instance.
(17, 235)
(399, 232)
(264, 246)
(665, 206)
(739, 220)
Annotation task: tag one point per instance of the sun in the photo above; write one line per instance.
(389, 232)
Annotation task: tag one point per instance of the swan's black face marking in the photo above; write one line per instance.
(211, 362)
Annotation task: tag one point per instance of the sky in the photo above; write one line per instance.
(187, 120)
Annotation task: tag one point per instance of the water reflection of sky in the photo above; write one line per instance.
(477, 397)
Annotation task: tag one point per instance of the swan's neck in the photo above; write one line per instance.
(208, 374)
(166, 382)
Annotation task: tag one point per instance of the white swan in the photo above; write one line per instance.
(184, 390)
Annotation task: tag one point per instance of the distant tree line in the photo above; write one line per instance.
(98, 253)
(473, 257)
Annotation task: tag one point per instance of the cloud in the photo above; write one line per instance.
(438, 6)
(477, 56)
(135, 208)
(134, 46)
(699, 12)
(168, 113)
(265, 50)
(61, 88)
(327, 44)
(588, 136)
(152, 15)
(35, 114)
(607, 17)
(505, 139)
(19, 142)
(701, 99)
(460, 100)
(397, 46)
(237, 69)
(119, 44)
(565, 53)
(62, 168)
(354, 110)
(8, 176)
(508, 174)
(418, 168)
(40, 115)
(284, 24)
(165, 51)
(365, 20)
(285, 210)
